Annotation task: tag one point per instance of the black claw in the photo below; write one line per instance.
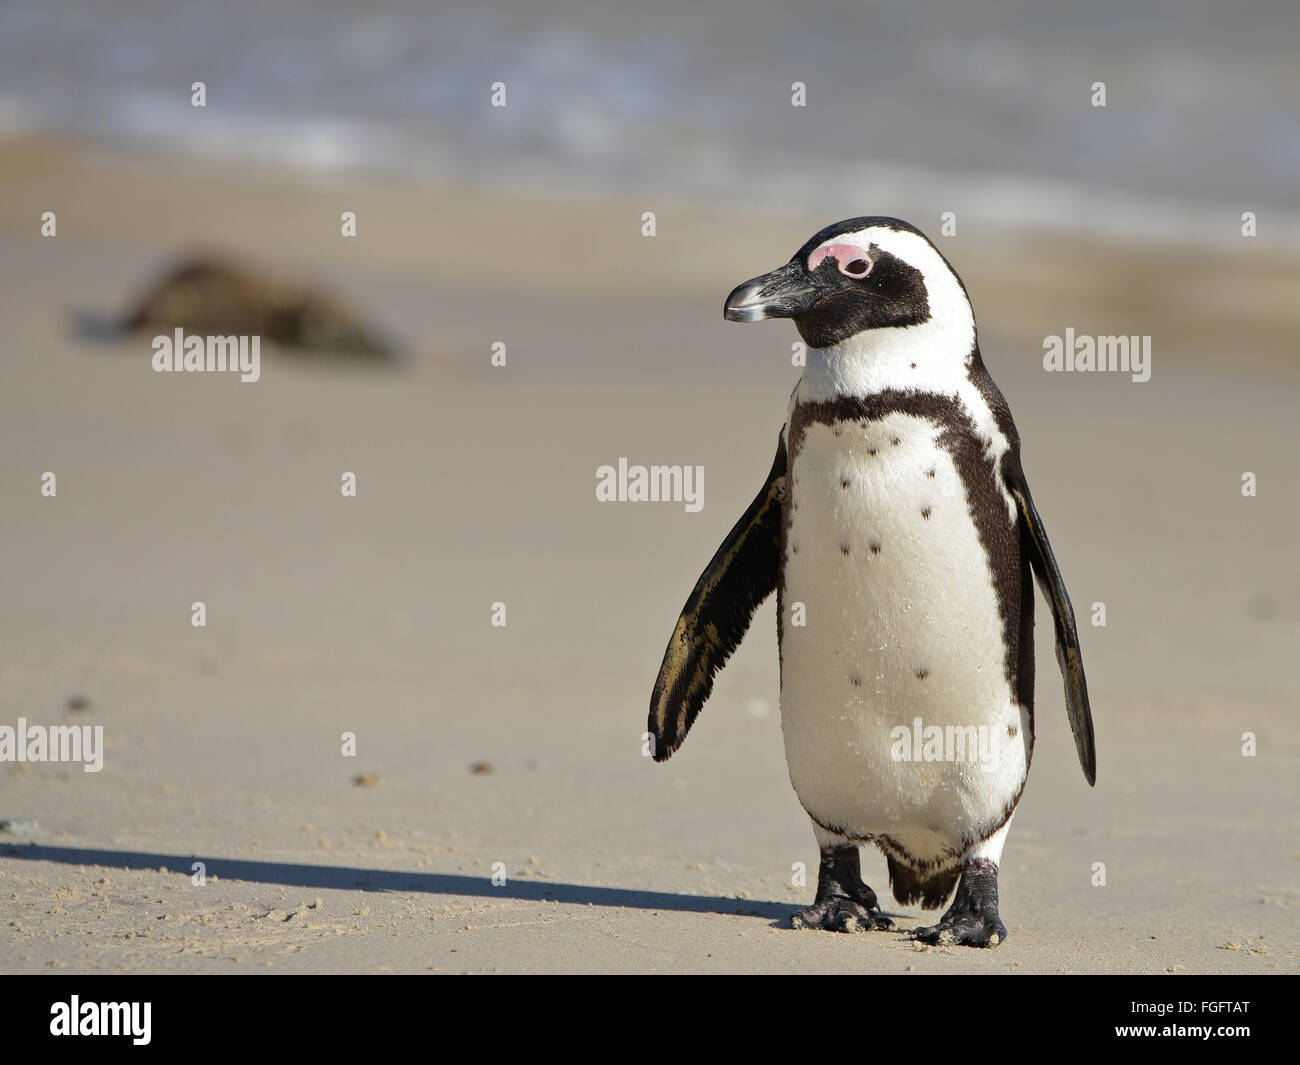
(972, 920)
(844, 903)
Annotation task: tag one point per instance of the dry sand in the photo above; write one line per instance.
(476, 485)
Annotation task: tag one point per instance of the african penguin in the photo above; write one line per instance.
(897, 525)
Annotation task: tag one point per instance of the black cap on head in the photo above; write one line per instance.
(835, 289)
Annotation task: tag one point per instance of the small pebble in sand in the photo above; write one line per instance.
(78, 703)
(366, 780)
(482, 768)
(18, 826)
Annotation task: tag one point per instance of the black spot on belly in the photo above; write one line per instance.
(837, 430)
(871, 451)
(845, 482)
(1012, 731)
(894, 441)
(922, 672)
(929, 473)
(925, 513)
(856, 680)
(913, 366)
(875, 547)
(844, 547)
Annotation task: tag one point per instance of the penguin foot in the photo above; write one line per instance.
(841, 915)
(972, 920)
(844, 903)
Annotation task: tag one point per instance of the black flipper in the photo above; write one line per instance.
(741, 575)
(1068, 655)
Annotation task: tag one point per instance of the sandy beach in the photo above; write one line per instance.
(475, 486)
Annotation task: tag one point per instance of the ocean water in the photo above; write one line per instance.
(982, 108)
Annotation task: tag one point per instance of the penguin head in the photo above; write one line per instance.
(857, 275)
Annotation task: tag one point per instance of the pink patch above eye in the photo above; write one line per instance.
(843, 255)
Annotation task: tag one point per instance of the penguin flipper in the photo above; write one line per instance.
(1068, 654)
(742, 573)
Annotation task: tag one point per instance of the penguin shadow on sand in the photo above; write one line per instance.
(350, 878)
(206, 296)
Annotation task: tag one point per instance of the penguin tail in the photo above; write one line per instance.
(931, 890)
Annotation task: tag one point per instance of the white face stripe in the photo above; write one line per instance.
(948, 302)
(931, 357)
(880, 359)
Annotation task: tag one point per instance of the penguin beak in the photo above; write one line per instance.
(786, 292)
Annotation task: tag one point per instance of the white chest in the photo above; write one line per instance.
(901, 629)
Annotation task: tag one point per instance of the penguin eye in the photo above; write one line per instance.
(852, 260)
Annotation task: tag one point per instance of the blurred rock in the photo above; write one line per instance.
(210, 298)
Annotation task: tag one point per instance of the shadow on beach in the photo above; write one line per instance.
(345, 878)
